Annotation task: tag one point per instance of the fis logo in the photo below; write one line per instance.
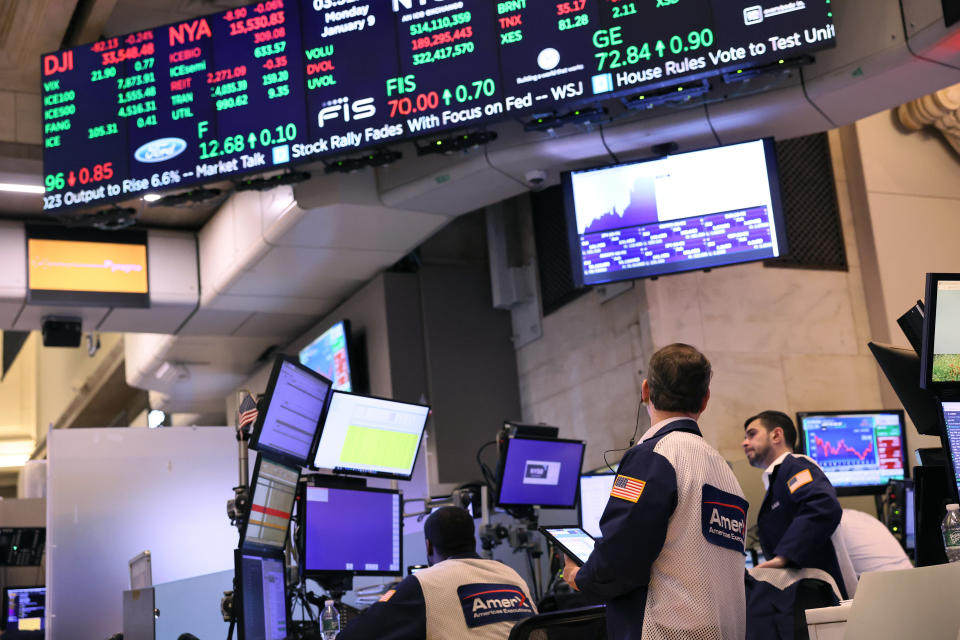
(347, 110)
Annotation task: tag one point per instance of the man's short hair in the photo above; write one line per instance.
(773, 419)
(679, 378)
(450, 531)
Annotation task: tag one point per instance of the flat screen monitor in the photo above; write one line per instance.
(87, 267)
(262, 612)
(540, 472)
(951, 420)
(940, 356)
(329, 355)
(289, 414)
(687, 211)
(273, 492)
(26, 607)
(369, 436)
(22, 546)
(352, 531)
(902, 369)
(595, 491)
(910, 519)
(859, 451)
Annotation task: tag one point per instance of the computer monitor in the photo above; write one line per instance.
(686, 211)
(940, 356)
(595, 490)
(329, 355)
(351, 531)
(540, 472)
(369, 436)
(951, 419)
(273, 492)
(860, 451)
(910, 519)
(24, 619)
(290, 412)
(260, 598)
(902, 369)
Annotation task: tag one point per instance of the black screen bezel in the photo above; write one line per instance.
(357, 472)
(257, 547)
(929, 329)
(502, 468)
(238, 603)
(545, 531)
(6, 601)
(573, 237)
(263, 408)
(866, 489)
(333, 482)
(61, 297)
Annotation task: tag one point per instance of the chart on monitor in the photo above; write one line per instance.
(371, 436)
(857, 449)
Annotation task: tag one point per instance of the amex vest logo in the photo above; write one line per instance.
(724, 518)
(485, 604)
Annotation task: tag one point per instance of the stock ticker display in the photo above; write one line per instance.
(286, 81)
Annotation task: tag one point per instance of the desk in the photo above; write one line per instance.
(828, 623)
(914, 603)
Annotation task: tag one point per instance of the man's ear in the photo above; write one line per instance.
(644, 392)
(429, 548)
(776, 435)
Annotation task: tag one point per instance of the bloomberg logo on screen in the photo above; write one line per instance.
(541, 472)
(160, 149)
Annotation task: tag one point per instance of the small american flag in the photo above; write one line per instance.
(247, 412)
(627, 488)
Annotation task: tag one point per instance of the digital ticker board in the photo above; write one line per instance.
(282, 82)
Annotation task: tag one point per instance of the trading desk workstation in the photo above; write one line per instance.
(252, 93)
(300, 527)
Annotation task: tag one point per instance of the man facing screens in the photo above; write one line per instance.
(670, 563)
(800, 510)
(461, 596)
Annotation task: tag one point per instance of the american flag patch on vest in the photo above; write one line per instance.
(627, 488)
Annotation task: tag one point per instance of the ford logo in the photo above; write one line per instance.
(160, 149)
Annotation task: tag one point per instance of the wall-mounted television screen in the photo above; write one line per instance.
(687, 211)
(87, 267)
(329, 355)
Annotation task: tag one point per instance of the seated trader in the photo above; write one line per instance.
(870, 544)
(670, 562)
(800, 511)
(460, 596)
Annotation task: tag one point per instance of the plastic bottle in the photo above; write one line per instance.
(951, 532)
(330, 618)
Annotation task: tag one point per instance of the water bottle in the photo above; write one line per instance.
(951, 532)
(330, 618)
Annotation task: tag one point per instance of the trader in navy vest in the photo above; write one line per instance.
(670, 562)
(461, 596)
(800, 511)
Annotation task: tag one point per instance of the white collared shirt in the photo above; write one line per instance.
(769, 470)
(652, 431)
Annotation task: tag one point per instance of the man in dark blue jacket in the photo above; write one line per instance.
(670, 562)
(800, 511)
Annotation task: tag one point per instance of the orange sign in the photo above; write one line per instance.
(68, 265)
